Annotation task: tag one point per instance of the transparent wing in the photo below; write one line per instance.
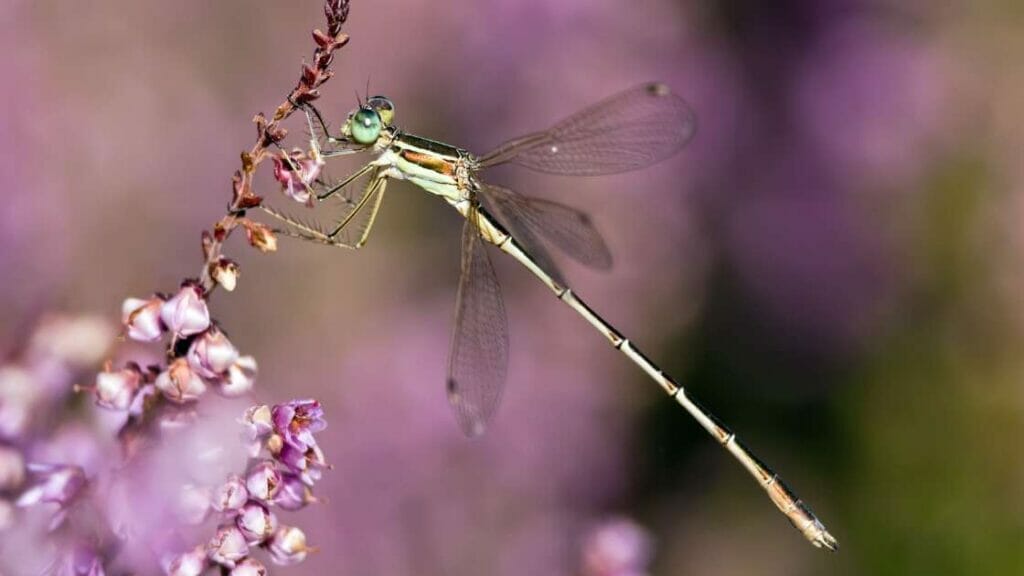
(630, 130)
(566, 228)
(508, 216)
(479, 351)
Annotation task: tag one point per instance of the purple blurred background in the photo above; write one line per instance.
(832, 266)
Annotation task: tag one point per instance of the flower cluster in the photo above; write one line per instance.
(210, 360)
(35, 398)
(285, 464)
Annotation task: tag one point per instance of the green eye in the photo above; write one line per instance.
(365, 126)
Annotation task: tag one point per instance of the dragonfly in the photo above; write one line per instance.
(628, 131)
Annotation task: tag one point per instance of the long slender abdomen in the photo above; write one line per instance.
(799, 514)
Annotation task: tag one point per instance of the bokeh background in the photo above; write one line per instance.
(833, 266)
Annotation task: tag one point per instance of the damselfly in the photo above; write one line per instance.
(631, 130)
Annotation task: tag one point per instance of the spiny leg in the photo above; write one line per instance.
(373, 213)
(303, 230)
(374, 186)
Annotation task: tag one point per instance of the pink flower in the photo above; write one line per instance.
(249, 567)
(142, 318)
(115, 390)
(263, 481)
(288, 546)
(228, 546)
(308, 464)
(54, 483)
(179, 383)
(211, 354)
(298, 420)
(256, 523)
(240, 378)
(296, 183)
(294, 493)
(186, 313)
(192, 563)
(231, 495)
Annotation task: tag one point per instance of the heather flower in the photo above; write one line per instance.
(256, 523)
(116, 390)
(12, 469)
(186, 313)
(294, 494)
(141, 318)
(18, 393)
(295, 173)
(619, 547)
(258, 421)
(263, 481)
(288, 546)
(298, 420)
(192, 563)
(308, 464)
(226, 273)
(211, 354)
(260, 236)
(240, 378)
(54, 483)
(228, 546)
(194, 504)
(231, 495)
(179, 383)
(249, 567)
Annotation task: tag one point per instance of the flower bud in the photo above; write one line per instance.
(260, 236)
(308, 464)
(228, 546)
(249, 567)
(296, 172)
(115, 390)
(231, 495)
(258, 421)
(141, 318)
(240, 379)
(186, 313)
(288, 546)
(256, 523)
(263, 481)
(294, 493)
(225, 272)
(192, 563)
(179, 383)
(211, 354)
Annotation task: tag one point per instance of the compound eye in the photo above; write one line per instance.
(365, 126)
(384, 107)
